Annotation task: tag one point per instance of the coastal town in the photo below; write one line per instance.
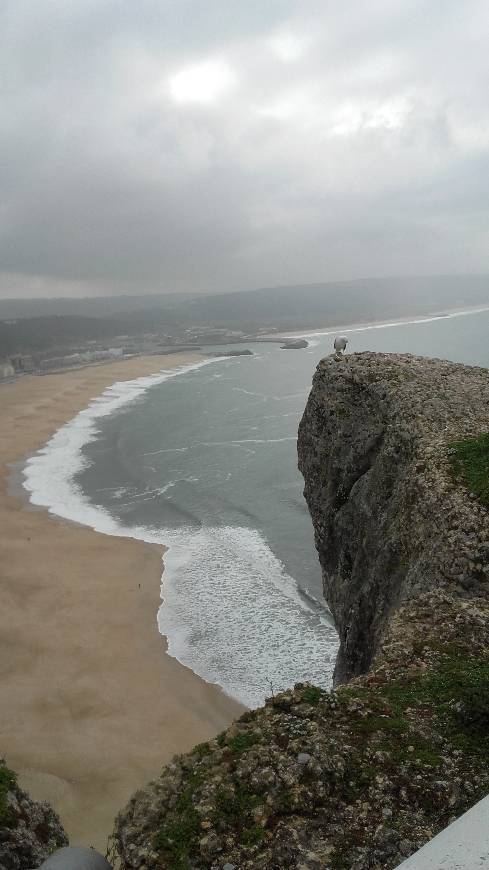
(91, 352)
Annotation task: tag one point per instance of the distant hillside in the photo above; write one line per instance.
(341, 301)
(37, 325)
(367, 298)
(97, 306)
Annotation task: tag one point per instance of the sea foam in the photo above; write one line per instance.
(233, 615)
(229, 609)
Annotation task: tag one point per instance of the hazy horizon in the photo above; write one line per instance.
(96, 294)
(154, 148)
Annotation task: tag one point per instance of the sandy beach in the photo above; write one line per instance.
(91, 705)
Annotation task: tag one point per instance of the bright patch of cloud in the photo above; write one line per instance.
(282, 110)
(203, 82)
(389, 115)
(287, 47)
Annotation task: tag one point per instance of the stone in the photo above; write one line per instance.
(303, 758)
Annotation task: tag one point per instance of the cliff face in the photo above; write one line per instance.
(360, 777)
(390, 521)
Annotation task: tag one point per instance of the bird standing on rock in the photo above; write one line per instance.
(340, 343)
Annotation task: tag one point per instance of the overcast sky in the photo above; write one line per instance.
(201, 145)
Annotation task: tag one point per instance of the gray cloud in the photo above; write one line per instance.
(189, 146)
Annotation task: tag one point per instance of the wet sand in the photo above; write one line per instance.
(91, 705)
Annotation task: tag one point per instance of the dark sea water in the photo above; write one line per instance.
(205, 462)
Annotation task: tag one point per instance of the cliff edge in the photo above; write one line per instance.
(395, 456)
(376, 449)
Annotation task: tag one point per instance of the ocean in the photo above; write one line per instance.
(203, 460)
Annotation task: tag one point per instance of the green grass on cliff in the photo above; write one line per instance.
(470, 460)
(457, 693)
(180, 833)
(454, 697)
(406, 731)
(7, 782)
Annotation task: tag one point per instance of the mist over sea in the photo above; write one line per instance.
(204, 461)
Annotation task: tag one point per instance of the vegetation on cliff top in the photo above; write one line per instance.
(470, 460)
(402, 733)
(356, 778)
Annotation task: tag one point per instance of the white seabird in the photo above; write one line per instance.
(340, 343)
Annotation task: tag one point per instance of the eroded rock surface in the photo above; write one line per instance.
(29, 831)
(354, 779)
(390, 521)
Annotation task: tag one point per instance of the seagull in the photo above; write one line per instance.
(340, 343)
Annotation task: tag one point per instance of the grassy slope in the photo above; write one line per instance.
(471, 462)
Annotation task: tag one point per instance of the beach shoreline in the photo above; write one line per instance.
(362, 326)
(92, 706)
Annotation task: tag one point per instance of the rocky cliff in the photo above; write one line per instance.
(395, 456)
(29, 831)
(390, 519)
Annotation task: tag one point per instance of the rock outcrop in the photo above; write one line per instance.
(29, 831)
(390, 520)
(354, 779)
(362, 776)
(295, 344)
